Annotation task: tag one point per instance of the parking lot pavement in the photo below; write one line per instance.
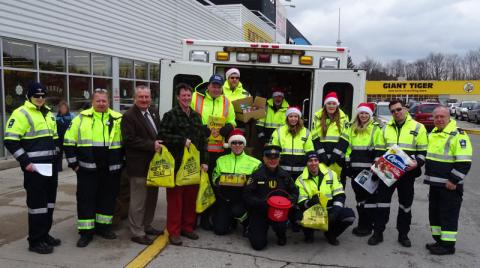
(234, 250)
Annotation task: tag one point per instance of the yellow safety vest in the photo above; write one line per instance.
(361, 145)
(238, 93)
(293, 148)
(233, 170)
(274, 119)
(329, 187)
(412, 136)
(333, 133)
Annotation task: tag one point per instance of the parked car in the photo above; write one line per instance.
(461, 110)
(452, 107)
(473, 114)
(382, 112)
(423, 113)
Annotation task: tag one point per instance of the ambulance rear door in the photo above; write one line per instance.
(349, 84)
(173, 72)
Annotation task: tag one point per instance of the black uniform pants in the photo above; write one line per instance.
(405, 190)
(226, 213)
(337, 222)
(443, 211)
(258, 228)
(41, 197)
(366, 205)
(96, 194)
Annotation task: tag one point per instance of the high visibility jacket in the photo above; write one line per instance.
(449, 156)
(326, 146)
(235, 164)
(206, 106)
(31, 135)
(362, 148)
(325, 183)
(293, 148)
(273, 118)
(411, 137)
(91, 129)
(237, 93)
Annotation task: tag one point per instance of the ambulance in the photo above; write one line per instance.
(307, 72)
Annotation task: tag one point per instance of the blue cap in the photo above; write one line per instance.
(36, 88)
(311, 154)
(217, 79)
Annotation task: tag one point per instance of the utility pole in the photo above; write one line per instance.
(339, 42)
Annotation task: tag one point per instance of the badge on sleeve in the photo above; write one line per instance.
(463, 143)
(11, 122)
(250, 181)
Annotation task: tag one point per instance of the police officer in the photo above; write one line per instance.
(275, 115)
(209, 101)
(411, 137)
(315, 180)
(31, 137)
(94, 151)
(230, 175)
(364, 144)
(449, 158)
(270, 179)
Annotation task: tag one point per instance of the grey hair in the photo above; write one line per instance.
(141, 87)
(442, 107)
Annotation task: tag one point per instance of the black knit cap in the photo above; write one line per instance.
(311, 154)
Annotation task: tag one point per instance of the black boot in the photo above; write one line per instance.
(331, 238)
(361, 232)
(281, 239)
(106, 234)
(404, 240)
(375, 239)
(41, 248)
(442, 250)
(84, 240)
(52, 241)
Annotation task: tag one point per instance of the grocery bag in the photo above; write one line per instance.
(161, 171)
(189, 171)
(205, 196)
(392, 165)
(315, 217)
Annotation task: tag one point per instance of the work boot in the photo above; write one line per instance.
(281, 240)
(189, 235)
(41, 248)
(153, 231)
(331, 239)
(175, 240)
(84, 240)
(142, 240)
(375, 239)
(429, 246)
(404, 241)
(442, 250)
(361, 232)
(54, 242)
(107, 234)
(205, 222)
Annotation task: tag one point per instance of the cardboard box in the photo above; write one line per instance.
(259, 103)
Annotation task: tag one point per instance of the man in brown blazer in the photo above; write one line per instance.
(139, 129)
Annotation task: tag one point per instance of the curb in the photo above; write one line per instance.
(472, 131)
(150, 252)
(8, 164)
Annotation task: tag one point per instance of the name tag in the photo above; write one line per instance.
(236, 180)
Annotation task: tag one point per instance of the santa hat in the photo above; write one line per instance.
(232, 71)
(278, 91)
(235, 135)
(293, 110)
(332, 96)
(366, 107)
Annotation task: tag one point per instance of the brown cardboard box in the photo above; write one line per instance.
(259, 102)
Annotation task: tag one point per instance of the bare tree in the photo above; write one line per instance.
(472, 64)
(436, 66)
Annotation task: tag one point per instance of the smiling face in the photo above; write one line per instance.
(142, 99)
(184, 98)
(214, 90)
(38, 100)
(441, 117)
(100, 102)
(271, 161)
(233, 80)
(312, 165)
(331, 107)
(363, 117)
(292, 119)
(398, 112)
(237, 147)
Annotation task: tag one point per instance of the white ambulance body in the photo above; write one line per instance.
(307, 72)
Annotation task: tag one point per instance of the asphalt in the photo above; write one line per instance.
(232, 250)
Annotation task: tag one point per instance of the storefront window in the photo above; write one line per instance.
(154, 72)
(126, 95)
(141, 70)
(78, 62)
(51, 58)
(80, 93)
(155, 89)
(102, 65)
(18, 54)
(16, 87)
(126, 68)
(105, 84)
(56, 88)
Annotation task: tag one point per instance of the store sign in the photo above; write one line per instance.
(252, 33)
(460, 87)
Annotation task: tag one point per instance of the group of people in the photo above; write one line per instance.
(304, 166)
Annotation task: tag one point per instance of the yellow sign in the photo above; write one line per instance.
(252, 33)
(460, 87)
(233, 179)
(215, 123)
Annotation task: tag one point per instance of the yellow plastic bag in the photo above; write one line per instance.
(161, 171)
(315, 217)
(205, 196)
(189, 171)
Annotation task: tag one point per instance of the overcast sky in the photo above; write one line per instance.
(391, 29)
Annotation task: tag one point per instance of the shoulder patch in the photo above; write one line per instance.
(11, 122)
(461, 131)
(249, 181)
(463, 143)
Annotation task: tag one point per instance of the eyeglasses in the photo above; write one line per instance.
(234, 78)
(237, 143)
(272, 156)
(38, 96)
(396, 110)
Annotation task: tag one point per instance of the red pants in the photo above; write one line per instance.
(181, 214)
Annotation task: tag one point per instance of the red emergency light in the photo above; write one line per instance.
(253, 45)
(340, 49)
(189, 42)
(263, 57)
(264, 46)
(275, 46)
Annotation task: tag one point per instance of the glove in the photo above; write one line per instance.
(313, 201)
(225, 130)
(206, 131)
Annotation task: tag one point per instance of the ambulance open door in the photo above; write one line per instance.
(173, 72)
(348, 84)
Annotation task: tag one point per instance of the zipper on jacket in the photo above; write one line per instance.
(103, 131)
(235, 165)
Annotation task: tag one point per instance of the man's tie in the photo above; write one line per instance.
(149, 123)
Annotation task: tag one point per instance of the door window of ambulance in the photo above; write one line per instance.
(345, 95)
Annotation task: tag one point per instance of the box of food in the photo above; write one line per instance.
(392, 165)
(249, 108)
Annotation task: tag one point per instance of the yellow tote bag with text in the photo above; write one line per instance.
(189, 171)
(316, 217)
(205, 196)
(161, 171)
